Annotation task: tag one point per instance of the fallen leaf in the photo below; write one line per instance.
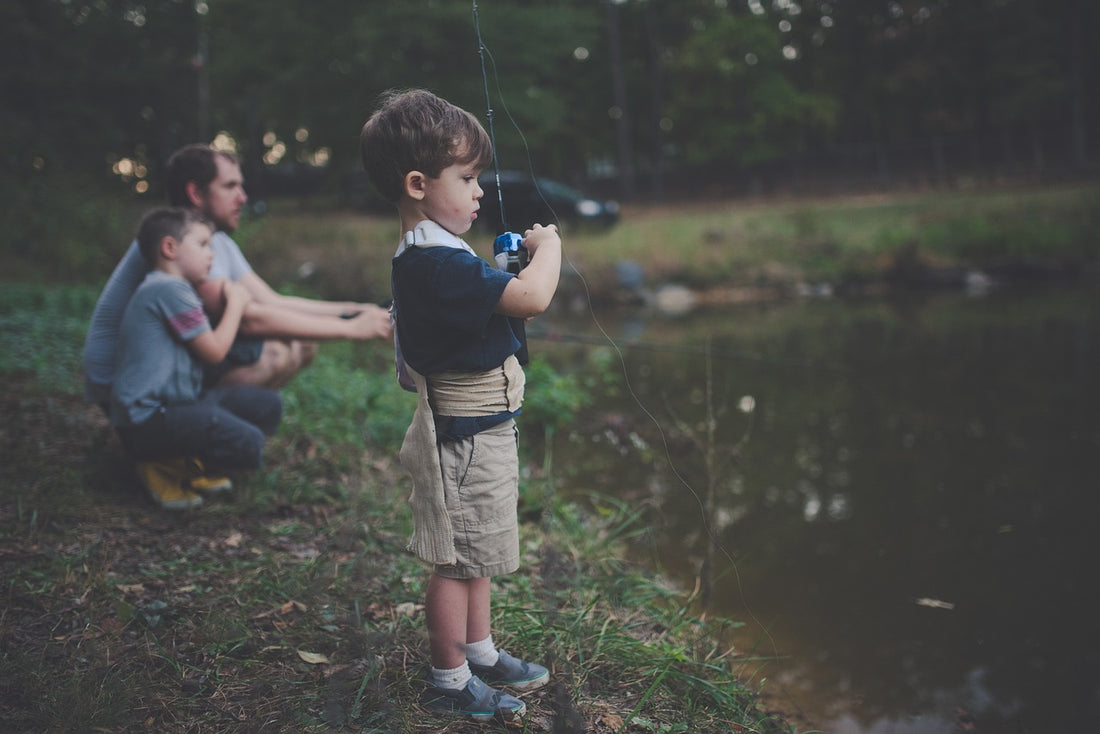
(130, 588)
(924, 601)
(408, 608)
(614, 722)
(304, 552)
(313, 658)
(234, 540)
(291, 606)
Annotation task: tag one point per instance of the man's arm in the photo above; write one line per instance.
(283, 317)
(277, 320)
(263, 293)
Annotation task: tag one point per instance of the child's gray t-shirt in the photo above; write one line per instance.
(155, 366)
(101, 344)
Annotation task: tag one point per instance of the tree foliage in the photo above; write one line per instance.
(580, 89)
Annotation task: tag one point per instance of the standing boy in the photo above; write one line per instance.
(454, 332)
(157, 404)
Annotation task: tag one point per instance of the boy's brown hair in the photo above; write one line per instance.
(415, 130)
(166, 221)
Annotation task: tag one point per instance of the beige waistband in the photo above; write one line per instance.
(498, 390)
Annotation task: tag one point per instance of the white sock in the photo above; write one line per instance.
(482, 653)
(453, 678)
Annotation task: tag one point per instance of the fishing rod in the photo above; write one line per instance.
(508, 250)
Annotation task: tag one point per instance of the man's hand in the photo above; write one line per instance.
(373, 322)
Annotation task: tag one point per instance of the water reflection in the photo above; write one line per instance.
(904, 517)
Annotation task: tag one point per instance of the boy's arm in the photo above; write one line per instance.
(530, 292)
(212, 346)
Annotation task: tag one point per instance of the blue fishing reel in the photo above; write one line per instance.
(509, 253)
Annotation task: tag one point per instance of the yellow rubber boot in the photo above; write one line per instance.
(200, 481)
(165, 482)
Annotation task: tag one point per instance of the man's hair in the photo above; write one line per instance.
(198, 163)
(414, 130)
(165, 221)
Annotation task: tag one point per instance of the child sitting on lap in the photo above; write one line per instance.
(158, 407)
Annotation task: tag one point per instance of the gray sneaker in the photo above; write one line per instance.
(512, 672)
(476, 701)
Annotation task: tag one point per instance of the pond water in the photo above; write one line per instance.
(903, 495)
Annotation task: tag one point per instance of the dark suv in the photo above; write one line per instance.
(529, 200)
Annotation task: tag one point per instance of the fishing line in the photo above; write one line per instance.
(483, 51)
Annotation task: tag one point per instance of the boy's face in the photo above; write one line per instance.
(224, 198)
(193, 254)
(451, 200)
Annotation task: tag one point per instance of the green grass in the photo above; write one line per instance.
(732, 243)
(742, 243)
(294, 607)
(709, 244)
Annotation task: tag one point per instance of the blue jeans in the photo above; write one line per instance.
(225, 429)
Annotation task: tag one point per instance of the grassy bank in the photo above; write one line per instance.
(848, 242)
(293, 606)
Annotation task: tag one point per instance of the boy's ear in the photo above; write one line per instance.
(168, 247)
(195, 194)
(415, 185)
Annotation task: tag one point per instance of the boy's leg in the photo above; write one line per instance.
(259, 406)
(495, 667)
(478, 610)
(446, 613)
(450, 606)
(216, 436)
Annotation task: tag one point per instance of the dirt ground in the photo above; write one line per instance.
(118, 616)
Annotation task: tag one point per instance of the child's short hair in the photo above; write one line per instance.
(167, 221)
(415, 130)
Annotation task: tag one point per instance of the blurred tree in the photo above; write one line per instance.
(734, 97)
(96, 93)
(87, 86)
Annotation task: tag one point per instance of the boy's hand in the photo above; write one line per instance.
(538, 235)
(234, 292)
(530, 292)
(373, 322)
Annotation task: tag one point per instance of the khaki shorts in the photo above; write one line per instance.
(480, 484)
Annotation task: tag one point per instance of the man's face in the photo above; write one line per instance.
(224, 198)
